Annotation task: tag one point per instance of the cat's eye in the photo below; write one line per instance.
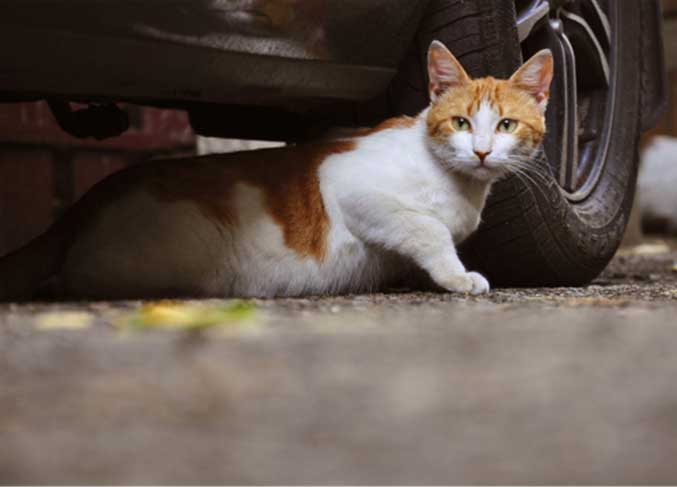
(460, 124)
(507, 125)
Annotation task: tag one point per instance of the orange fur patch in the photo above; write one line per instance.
(508, 100)
(390, 123)
(287, 176)
(395, 123)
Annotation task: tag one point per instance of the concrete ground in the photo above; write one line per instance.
(522, 386)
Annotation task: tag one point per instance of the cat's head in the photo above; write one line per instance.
(486, 127)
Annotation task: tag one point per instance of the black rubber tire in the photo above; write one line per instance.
(533, 235)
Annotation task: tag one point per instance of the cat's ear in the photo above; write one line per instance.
(535, 77)
(444, 70)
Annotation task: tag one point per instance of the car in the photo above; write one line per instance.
(290, 70)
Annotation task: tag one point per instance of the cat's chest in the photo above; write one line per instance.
(465, 225)
(462, 218)
(459, 212)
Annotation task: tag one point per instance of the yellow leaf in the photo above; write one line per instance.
(65, 320)
(188, 316)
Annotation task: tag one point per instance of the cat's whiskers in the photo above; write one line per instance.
(525, 158)
(542, 172)
(528, 172)
(524, 177)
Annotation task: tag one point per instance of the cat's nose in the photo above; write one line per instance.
(482, 155)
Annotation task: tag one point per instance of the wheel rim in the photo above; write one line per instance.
(580, 35)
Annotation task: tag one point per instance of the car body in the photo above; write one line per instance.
(294, 56)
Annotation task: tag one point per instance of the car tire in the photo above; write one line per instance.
(533, 231)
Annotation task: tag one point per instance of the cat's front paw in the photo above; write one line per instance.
(468, 282)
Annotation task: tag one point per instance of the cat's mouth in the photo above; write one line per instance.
(485, 171)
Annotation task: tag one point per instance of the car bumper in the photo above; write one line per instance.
(251, 52)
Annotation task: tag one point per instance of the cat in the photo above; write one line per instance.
(656, 185)
(347, 215)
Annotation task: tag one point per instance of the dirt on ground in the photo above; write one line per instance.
(560, 385)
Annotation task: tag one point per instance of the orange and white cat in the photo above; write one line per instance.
(339, 216)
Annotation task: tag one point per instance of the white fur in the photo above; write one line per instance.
(657, 182)
(393, 205)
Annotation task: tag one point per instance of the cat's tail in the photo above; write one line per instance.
(27, 270)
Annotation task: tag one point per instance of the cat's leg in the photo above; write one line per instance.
(427, 241)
